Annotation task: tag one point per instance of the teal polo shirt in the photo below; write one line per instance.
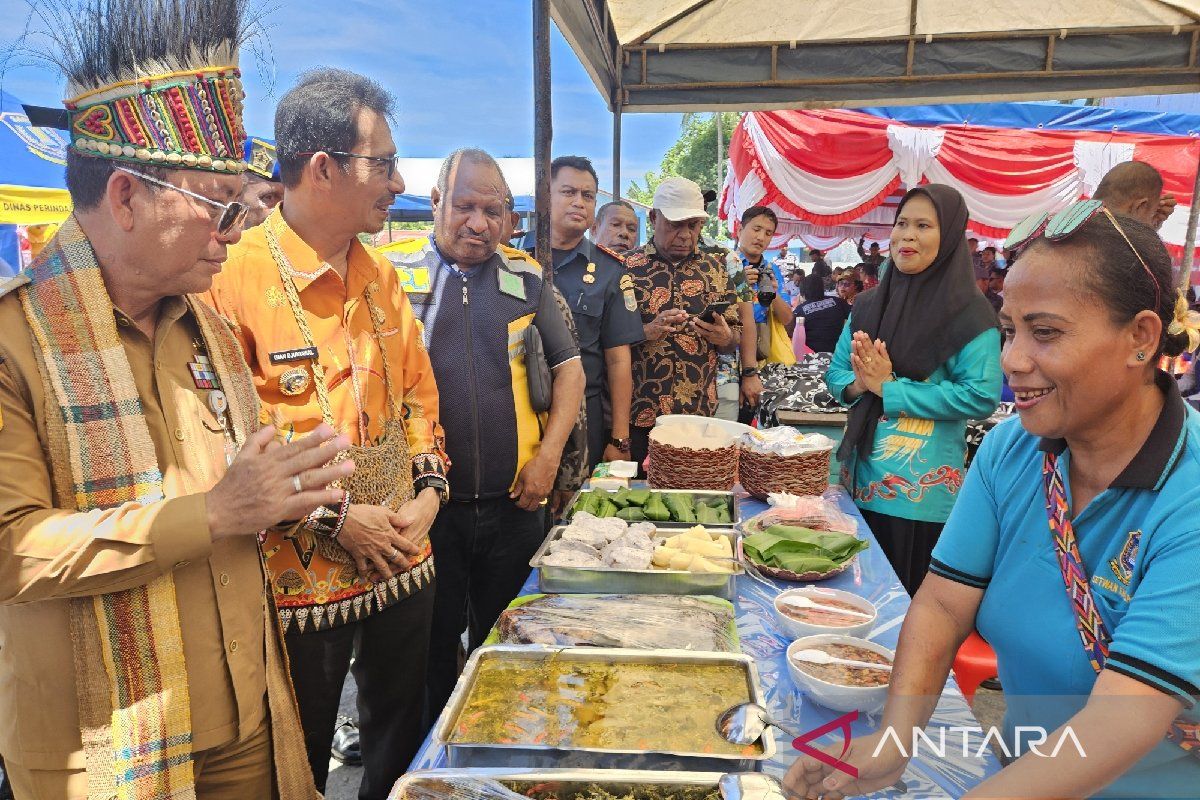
(1140, 543)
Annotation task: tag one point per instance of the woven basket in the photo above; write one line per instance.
(764, 473)
(762, 521)
(687, 468)
(802, 577)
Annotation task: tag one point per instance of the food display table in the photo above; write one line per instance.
(929, 775)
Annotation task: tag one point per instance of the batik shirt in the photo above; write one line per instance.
(316, 585)
(677, 374)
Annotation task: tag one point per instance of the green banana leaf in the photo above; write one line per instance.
(802, 549)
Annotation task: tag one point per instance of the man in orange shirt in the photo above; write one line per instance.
(330, 335)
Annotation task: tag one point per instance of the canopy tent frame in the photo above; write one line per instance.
(1184, 76)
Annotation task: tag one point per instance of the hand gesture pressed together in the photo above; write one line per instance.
(871, 363)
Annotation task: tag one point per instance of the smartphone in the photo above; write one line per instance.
(714, 310)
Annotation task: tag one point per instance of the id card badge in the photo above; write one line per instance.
(511, 284)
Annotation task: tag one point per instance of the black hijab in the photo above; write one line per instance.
(923, 319)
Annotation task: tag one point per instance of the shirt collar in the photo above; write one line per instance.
(575, 252)
(1153, 463)
(450, 265)
(172, 310)
(307, 268)
(651, 250)
(746, 262)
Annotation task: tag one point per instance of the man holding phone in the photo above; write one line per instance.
(675, 368)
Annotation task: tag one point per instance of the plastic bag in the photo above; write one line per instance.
(784, 441)
(647, 622)
(808, 511)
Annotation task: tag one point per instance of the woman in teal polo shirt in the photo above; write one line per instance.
(1075, 545)
(920, 357)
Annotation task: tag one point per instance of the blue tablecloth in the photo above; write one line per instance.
(872, 577)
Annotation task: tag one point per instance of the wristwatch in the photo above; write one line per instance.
(748, 372)
(435, 482)
(621, 444)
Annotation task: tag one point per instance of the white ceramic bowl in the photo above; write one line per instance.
(797, 628)
(869, 700)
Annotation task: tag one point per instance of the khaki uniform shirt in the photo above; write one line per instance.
(49, 554)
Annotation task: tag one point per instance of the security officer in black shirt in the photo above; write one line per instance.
(600, 293)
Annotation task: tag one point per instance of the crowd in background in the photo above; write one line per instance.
(391, 436)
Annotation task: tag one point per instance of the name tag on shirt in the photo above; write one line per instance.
(300, 354)
(511, 284)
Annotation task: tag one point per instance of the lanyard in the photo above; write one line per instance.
(1093, 632)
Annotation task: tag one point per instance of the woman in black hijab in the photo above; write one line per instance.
(919, 357)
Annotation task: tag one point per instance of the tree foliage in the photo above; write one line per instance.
(693, 156)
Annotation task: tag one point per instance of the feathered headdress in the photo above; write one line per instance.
(149, 81)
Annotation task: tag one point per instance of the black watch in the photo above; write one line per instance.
(435, 482)
(621, 444)
(748, 372)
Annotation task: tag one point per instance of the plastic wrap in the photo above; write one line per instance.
(664, 508)
(871, 577)
(806, 511)
(611, 543)
(611, 708)
(784, 441)
(645, 622)
(455, 787)
(556, 784)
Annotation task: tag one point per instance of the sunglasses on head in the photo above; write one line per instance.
(1065, 224)
(232, 214)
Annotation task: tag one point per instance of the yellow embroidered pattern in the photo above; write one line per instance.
(917, 427)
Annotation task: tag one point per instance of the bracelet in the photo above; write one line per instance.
(341, 517)
(327, 521)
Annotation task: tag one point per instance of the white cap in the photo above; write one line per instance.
(678, 199)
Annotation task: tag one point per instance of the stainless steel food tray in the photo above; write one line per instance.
(581, 580)
(699, 494)
(537, 756)
(581, 778)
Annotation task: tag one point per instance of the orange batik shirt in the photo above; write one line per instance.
(316, 584)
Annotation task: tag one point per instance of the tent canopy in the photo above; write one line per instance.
(32, 161)
(835, 174)
(421, 174)
(698, 55)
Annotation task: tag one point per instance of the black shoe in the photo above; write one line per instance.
(346, 748)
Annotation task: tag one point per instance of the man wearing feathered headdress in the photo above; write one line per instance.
(139, 653)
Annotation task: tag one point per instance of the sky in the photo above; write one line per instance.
(461, 72)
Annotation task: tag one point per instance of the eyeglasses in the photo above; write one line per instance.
(232, 214)
(392, 162)
(1065, 224)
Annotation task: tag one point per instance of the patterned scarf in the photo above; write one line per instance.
(134, 707)
(1093, 632)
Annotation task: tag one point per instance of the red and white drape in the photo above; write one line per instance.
(833, 175)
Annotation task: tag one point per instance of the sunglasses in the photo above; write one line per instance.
(392, 162)
(232, 214)
(1065, 224)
